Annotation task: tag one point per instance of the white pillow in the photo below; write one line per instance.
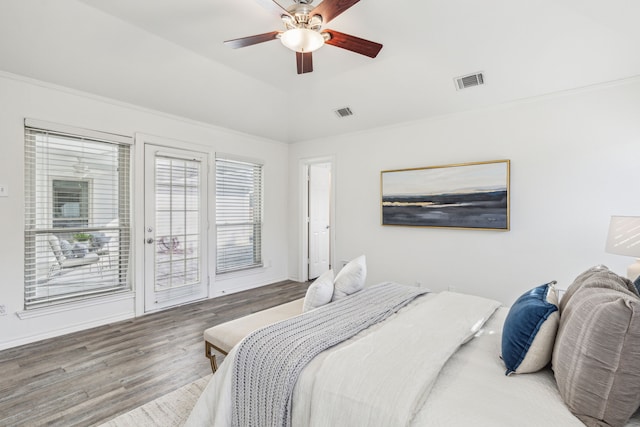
(351, 278)
(319, 292)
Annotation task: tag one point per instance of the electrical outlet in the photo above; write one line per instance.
(3, 310)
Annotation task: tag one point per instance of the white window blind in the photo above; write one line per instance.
(77, 216)
(238, 215)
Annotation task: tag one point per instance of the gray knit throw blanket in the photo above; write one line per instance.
(268, 361)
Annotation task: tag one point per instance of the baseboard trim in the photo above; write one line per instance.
(244, 287)
(63, 331)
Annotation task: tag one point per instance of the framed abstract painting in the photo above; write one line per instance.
(466, 195)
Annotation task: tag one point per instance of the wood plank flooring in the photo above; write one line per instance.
(89, 377)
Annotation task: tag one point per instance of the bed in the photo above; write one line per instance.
(433, 362)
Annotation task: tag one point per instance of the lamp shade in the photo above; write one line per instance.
(624, 236)
(302, 40)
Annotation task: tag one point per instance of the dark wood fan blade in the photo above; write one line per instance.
(274, 7)
(304, 62)
(329, 9)
(251, 40)
(353, 43)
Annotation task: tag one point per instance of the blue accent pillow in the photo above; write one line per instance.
(636, 283)
(530, 329)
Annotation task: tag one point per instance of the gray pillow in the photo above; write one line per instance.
(98, 240)
(598, 277)
(66, 248)
(80, 250)
(596, 358)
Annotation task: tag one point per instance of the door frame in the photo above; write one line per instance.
(137, 265)
(304, 214)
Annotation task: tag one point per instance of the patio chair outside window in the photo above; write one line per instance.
(65, 262)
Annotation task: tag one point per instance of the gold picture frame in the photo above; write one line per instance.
(472, 195)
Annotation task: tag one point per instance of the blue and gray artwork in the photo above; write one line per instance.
(465, 196)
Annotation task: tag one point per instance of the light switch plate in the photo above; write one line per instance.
(4, 191)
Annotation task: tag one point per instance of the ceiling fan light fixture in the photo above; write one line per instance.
(302, 40)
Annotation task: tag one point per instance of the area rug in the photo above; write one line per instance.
(172, 409)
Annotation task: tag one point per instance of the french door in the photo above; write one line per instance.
(175, 226)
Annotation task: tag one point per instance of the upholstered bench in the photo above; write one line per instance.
(322, 291)
(225, 336)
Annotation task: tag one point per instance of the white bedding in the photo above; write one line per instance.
(383, 376)
(398, 364)
(474, 390)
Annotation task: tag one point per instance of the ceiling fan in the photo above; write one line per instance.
(304, 34)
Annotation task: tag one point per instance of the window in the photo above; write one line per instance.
(77, 214)
(238, 215)
(70, 203)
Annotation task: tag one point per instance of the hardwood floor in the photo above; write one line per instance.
(88, 377)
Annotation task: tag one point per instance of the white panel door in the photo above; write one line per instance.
(319, 218)
(175, 226)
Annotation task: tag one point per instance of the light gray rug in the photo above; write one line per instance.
(172, 409)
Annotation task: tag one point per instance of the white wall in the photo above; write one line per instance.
(574, 163)
(20, 98)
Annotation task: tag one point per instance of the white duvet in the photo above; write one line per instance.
(414, 369)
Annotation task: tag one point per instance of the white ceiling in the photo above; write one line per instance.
(168, 55)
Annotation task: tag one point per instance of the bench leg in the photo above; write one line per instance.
(212, 357)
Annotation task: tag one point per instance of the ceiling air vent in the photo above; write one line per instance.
(469, 80)
(344, 112)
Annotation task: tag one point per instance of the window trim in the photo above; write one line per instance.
(77, 131)
(125, 295)
(90, 297)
